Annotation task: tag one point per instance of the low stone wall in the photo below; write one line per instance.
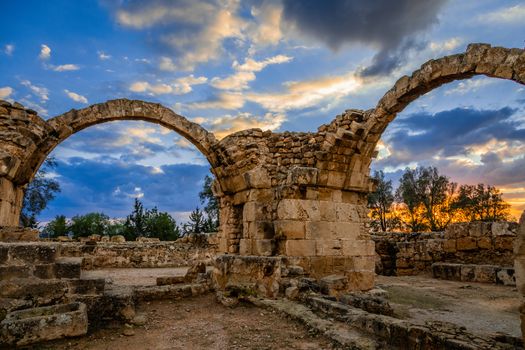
(467, 243)
(474, 273)
(136, 254)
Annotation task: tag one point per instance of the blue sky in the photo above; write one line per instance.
(279, 65)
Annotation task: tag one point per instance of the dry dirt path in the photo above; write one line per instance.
(480, 307)
(200, 323)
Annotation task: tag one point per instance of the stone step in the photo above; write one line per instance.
(25, 327)
(28, 253)
(345, 336)
(38, 291)
(92, 286)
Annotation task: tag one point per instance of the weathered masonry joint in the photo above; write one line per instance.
(299, 195)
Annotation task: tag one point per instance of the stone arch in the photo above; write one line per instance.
(65, 125)
(478, 59)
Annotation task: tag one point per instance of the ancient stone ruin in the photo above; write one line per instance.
(292, 205)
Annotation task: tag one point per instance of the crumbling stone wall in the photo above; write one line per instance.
(519, 268)
(403, 254)
(136, 254)
(297, 194)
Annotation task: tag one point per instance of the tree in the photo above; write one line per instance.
(408, 194)
(211, 207)
(161, 225)
(196, 223)
(135, 224)
(38, 194)
(480, 203)
(89, 224)
(380, 201)
(56, 227)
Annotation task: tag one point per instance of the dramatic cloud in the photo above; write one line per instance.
(245, 73)
(5, 91)
(41, 92)
(229, 124)
(267, 27)
(76, 97)
(45, 52)
(470, 85)
(195, 30)
(390, 26)
(179, 87)
(221, 101)
(110, 186)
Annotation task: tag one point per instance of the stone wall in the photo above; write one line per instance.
(135, 254)
(468, 243)
(519, 268)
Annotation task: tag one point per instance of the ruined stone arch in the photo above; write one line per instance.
(26, 141)
(478, 59)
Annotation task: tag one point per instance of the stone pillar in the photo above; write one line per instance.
(11, 198)
(519, 268)
(325, 232)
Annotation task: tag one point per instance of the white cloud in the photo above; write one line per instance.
(229, 124)
(65, 67)
(9, 49)
(245, 72)
(38, 108)
(208, 25)
(180, 86)
(447, 45)
(223, 101)
(267, 27)
(103, 56)
(5, 92)
(303, 94)
(76, 97)
(40, 91)
(45, 52)
(470, 85)
(514, 14)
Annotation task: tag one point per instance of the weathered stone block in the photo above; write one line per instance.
(291, 229)
(303, 247)
(466, 243)
(30, 326)
(485, 273)
(328, 247)
(263, 247)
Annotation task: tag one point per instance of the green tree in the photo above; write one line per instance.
(481, 203)
(135, 224)
(89, 224)
(380, 201)
(56, 227)
(114, 228)
(161, 225)
(211, 207)
(38, 194)
(196, 223)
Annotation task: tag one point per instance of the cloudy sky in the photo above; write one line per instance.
(278, 64)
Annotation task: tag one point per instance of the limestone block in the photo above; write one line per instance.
(364, 263)
(258, 230)
(466, 243)
(358, 247)
(336, 179)
(302, 176)
(361, 280)
(347, 212)
(303, 247)
(118, 239)
(327, 210)
(263, 247)
(328, 247)
(245, 247)
(503, 243)
(297, 209)
(468, 273)
(291, 229)
(502, 228)
(485, 273)
(485, 243)
(257, 178)
(449, 245)
(334, 285)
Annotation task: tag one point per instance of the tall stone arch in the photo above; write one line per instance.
(26, 140)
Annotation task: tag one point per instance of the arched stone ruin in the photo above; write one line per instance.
(293, 194)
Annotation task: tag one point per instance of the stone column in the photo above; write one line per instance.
(11, 198)
(519, 268)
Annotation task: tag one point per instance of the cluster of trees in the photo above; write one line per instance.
(140, 223)
(426, 200)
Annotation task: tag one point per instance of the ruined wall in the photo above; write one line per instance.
(135, 254)
(466, 243)
(519, 268)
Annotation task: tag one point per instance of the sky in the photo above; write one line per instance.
(279, 65)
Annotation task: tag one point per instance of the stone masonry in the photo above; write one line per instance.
(302, 195)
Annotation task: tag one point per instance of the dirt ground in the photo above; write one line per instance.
(200, 323)
(481, 308)
(135, 277)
